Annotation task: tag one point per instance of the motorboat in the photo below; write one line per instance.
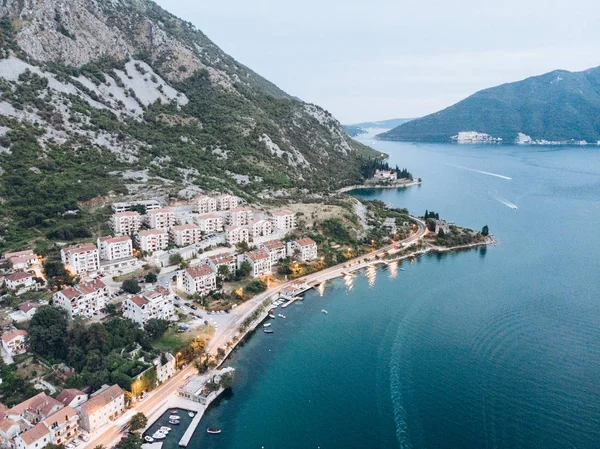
(165, 429)
(324, 311)
(267, 325)
(271, 316)
(174, 417)
(402, 269)
(174, 422)
(281, 316)
(148, 439)
(268, 331)
(191, 414)
(158, 435)
(213, 430)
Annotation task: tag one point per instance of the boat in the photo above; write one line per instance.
(165, 429)
(174, 422)
(191, 414)
(268, 331)
(324, 311)
(158, 435)
(271, 316)
(402, 269)
(148, 439)
(213, 430)
(173, 412)
(267, 325)
(281, 316)
(175, 417)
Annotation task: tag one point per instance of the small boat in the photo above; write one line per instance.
(402, 269)
(271, 316)
(213, 430)
(191, 414)
(158, 435)
(148, 439)
(268, 331)
(324, 311)
(174, 422)
(173, 412)
(281, 316)
(165, 429)
(267, 325)
(174, 417)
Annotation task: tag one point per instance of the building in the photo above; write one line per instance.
(260, 228)
(13, 342)
(206, 204)
(260, 262)
(197, 280)
(160, 218)
(152, 240)
(284, 220)
(21, 281)
(276, 250)
(125, 223)
(115, 248)
(239, 216)
(22, 260)
(385, 175)
(147, 205)
(184, 235)
(26, 311)
(227, 260)
(103, 406)
(62, 425)
(294, 289)
(226, 202)
(72, 397)
(86, 299)
(9, 428)
(389, 225)
(165, 371)
(35, 409)
(35, 438)
(157, 303)
(81, 259)
(210, 223)
(236, 234)
(306, 247)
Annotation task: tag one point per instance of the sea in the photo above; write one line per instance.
(495, 347)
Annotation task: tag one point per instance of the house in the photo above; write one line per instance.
(294, 289)
(22, 260)
(236, 234)
(276, 250)
(184, 235)
(115, 248)
(21, 281)
(86, 299)
(197, 280)
(160, 218)
(72, 397)
(9, 428)
(227, 260)
(442, 225)
(239, 216)
(284, 220)
(389, 225)
(125, 223)
(13, 342)
(306, 247)
(35, 438)
(226, 202)
(385, 175)
(260, 262)
(35, 409)
(25, 313)
(62, 425)
(103, 406)
(81, 259)
(210, 223)
(260, 228)
(147, 205)
(164, 371)
(157, 303)
(152, 240)
(206, 204)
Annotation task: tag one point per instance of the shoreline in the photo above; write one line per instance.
(380, 186)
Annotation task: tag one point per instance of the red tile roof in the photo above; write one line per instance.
(19, 276)
(200, 271)
(63, 415)
(80, 248)
(273, 244)
(282, 213)
(9, 335)
(41, 402)
(27, 306)
(139, 301)
(102, 399)
(258, 254)
(34, 434)
(110, 239)
(306, 241)
(160, 211)
(185, 227)
(26, 252)
(68, 395)
(148, 232)
(126, 214)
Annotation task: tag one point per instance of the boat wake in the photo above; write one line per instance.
(502, 200)
(396, 372)
(496, 175)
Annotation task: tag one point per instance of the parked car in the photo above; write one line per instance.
(193, 307)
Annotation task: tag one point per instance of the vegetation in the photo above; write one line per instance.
(131, 286)
(138, 422)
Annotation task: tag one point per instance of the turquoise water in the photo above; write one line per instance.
(489, 348)
(176, 432)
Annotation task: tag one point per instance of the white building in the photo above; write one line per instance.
(167, 370)
(21, 281)
(239, 216)
(222, 259)
(284, 220)
(22, 260)
(210, 223)
(146, 204)
(276, 250)
(157, 303)
(226, 202)
(236, 234)
(115, 248)
(385, 175)
(197, 280)
(13, 342)
(160, 218)
(81, 259)
(72, 397)
(184, 235)
(125, 223)
(206, 204)
(152, 240)
(260, 262)
(260, 228)
(306, 247)
(103, 406)
(86, 299)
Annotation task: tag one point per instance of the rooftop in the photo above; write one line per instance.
(272, 244)
(27, 306)
(306, 241)
(106, 396)
(148, 232)
(34, 434)
(80, 248)
(185, 227)
(10, 335)
(26, 252)
(41, 402)
(282, 213)
(19, 276)
(200, 271)
(126, 214)
(257, 254)
(164, 210)
(68, 394)
(109, 239)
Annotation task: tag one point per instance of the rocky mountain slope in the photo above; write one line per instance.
(121, 97)
(559, 106)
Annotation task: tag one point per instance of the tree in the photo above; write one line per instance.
(156, 327)
(226, 380)
(243, 246)
(99, 446)
(111, 309)
(137, 422)
(441, 233)
(48, 332)
(175, 259)
(150, 278)
(223, 270)
(131, 286)
(133, 441)
(430, 224)
(245, 269)
(54, 446)
(485, 231)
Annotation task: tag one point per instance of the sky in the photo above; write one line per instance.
(381, 59)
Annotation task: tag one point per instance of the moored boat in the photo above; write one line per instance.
(267, 325)
(268, 331)
(148, 439)
(191, 414)
(213, 430)
(281, 315)
(158, 435)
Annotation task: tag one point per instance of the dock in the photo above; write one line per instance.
(291, 301)
(187, 436)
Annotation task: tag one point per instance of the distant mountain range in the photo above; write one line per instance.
(559, 106)
(361, 128)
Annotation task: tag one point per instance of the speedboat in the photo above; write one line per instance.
(191, 414)
(268, 331)
(324, 311)
(267, 325)
(213, 430)
(158, 435)
(148, 439)
(281, 316)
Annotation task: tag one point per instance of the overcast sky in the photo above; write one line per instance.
(377, 59)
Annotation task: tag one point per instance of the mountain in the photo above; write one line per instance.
(353, 130)
(559, 106)
(119, 97)
(387, 124)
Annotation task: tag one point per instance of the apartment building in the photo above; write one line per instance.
(206, 204)
(184, 235)
(197, 280)
(103, 406)
(306, 248)
(152, 240)
(276, 250)
(148, 205)
(226, 202)
(260, 228)
(222, 259)
(86, 299)
(260, 262)
(115, 248)
(125, 223)
(236, 234)
(210, 223)
(81, 259)
(284, 220)
(21, 282)
(157, 303)
(160, 218)
(239, 216)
